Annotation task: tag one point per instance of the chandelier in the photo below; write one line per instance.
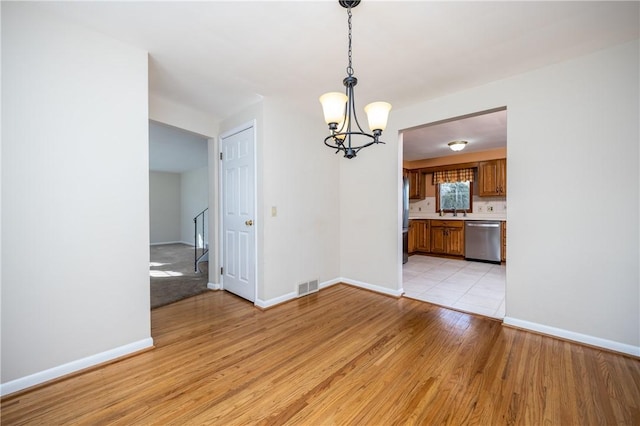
(340, 112)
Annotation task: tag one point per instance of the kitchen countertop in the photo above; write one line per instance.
(449, 216)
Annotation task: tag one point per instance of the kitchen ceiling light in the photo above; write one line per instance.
(457, 145)
(340, 112)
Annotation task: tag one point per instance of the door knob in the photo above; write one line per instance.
(249, 222)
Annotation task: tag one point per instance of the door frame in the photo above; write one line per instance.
(234, 130)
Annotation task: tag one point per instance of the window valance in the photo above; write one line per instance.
(451, 176)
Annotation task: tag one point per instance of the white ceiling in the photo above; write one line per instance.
(221, 56)
(482, 132)
(175, 150)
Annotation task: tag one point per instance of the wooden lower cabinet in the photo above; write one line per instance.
(418, 236)
(447, 237)
(412, 237)
(444, 237)
(422, 235)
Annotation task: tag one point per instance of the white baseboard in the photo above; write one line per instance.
(329, 283)
(573, 336)
(264, 304)
(372, 287)
(73, 366)
(212, 286)
(275, 301)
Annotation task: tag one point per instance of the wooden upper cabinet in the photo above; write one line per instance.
(416, 184)
(492, 178)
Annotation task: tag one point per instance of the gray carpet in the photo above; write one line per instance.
(172, 274)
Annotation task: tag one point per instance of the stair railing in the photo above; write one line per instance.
(200, 236)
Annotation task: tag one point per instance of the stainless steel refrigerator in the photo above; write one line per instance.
(405, 220)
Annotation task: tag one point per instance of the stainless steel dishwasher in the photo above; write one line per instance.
(482, 240)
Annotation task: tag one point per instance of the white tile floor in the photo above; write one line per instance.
(474, 287)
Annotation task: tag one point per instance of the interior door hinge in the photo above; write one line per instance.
(221, 271)
(221, 156)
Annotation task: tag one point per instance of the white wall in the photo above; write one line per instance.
(194, 198)
(174, 200)
(75, 218)
(300, 177)
(573, 263)
(369, 212)
(165, 207)
(182, 117)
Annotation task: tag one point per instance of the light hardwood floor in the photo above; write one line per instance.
(341, 356)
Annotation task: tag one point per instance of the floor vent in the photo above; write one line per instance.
(303, 289)
(307, 288)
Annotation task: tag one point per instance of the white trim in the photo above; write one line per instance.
(329, 283)
(213, 286)
(73, 366)
(372, 287)
(573, 336)
(264, 304)
(275, 301)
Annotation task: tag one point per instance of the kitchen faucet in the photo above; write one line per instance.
(455, 212)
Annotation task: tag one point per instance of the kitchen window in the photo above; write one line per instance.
(454, 195)
(454, 189)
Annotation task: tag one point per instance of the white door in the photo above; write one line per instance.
(238, 216)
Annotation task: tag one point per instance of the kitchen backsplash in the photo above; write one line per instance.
(481, 205)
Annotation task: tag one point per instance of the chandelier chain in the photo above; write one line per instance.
(350, 67)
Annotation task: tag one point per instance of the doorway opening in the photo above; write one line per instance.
(178, 194)
(438, 269)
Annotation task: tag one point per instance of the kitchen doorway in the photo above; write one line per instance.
(437, 270)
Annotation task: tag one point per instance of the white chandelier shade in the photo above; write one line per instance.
(333, 105)
(377, 115)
